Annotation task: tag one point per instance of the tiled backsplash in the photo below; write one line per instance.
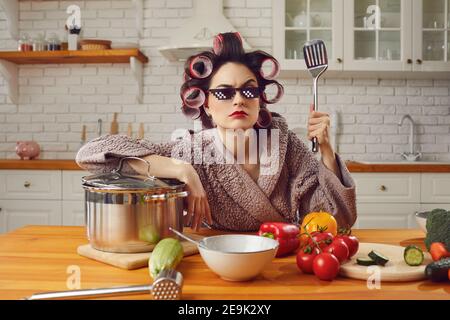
(56, 100)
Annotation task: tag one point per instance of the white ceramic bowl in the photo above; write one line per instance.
(421, 219)
(238, 257)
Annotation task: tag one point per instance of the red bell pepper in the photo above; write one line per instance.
(286, 234)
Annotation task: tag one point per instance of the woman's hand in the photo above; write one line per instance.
(318, 126)
(197, 202)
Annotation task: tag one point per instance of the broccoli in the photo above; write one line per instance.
(438, 228)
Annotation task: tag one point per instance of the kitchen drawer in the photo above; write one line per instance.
(73, 213)
(30, 184)
(435, 188)
(387, 215)
(18, 213)
(72, 189)
(387, 187)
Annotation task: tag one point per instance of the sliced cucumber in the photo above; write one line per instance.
(365, 261)
(378, 258)
(413, 255)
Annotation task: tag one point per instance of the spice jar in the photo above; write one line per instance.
(39, 43)
(25, 43)
(53, 43)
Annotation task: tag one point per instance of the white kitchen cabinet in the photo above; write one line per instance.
(30, 184)
(390, 200)
(52, 197)
(297, 21)
(435, 188)
(18, 213)
(365, 35)
(387, 187)
(73, 213)
(386, 215)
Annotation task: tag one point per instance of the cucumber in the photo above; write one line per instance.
(378, 258)
(413, 255)
(438, 271)
(365, 261)
(166, 255)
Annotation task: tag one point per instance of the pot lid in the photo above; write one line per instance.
(118, 181)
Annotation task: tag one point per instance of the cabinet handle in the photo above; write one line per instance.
(339, 60)
(419, 61)
(409, 61)
(27, 184)
(383, 188)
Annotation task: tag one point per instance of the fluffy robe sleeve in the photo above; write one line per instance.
(103, 153)
(315, 187)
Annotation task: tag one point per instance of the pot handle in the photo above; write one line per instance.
(119, 168)
(165, 196)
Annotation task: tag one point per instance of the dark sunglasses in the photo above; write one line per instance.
(229, 93)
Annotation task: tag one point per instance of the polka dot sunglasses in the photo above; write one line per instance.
(229, 93)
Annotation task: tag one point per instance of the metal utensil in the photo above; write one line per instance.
(316, 59)
(167, 286)
(187, 238)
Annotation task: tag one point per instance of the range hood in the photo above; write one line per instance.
(198, 32)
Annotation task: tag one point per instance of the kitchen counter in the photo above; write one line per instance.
(36, 259)
(353, 166)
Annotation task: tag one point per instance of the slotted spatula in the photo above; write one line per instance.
(316, 59)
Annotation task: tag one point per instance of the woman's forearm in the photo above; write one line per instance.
(329, 160)
(163, 167)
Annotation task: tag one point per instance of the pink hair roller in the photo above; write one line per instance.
(193, 97)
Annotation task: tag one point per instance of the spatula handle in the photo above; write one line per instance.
(315, 142)
(315, 145)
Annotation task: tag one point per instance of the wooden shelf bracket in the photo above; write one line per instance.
(138, 72)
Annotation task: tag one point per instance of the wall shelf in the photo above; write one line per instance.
(10, 59)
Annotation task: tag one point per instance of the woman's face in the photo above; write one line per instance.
(239, 112)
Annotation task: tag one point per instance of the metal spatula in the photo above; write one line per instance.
(316, 59)
(167, 286)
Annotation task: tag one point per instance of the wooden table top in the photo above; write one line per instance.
(16, 164)
(36, 259)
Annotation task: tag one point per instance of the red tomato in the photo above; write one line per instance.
(322, 238)
(305, 259)
(351, 242)
(339, 249)
(326, 266)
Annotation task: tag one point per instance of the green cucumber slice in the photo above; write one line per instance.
(365, 261)
(378, 258)
(413, 255)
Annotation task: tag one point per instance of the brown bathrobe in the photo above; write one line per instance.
(298, 185)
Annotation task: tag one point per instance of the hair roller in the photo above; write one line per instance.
(218, 44)
(270, 68)
(192, 113)
(200, 67)
(264, 118)
(272, 93)
(193, 97)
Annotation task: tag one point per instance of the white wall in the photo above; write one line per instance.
(56, 100)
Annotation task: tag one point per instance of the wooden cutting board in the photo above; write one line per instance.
(131, 261)
(395, 270)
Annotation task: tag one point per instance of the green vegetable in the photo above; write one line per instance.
(438, 271)
(365, 261)
(166, 255)
(378, 258)
(149, 234)
(413, 255)
(438, 224)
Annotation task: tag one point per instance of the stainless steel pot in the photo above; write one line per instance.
(126, 214)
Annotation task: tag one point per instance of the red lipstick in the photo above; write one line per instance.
(239, 114)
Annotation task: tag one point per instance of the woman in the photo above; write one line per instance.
(228, 90)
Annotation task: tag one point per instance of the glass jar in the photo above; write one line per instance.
(24, 43)
(53, 43)
(39, 43)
